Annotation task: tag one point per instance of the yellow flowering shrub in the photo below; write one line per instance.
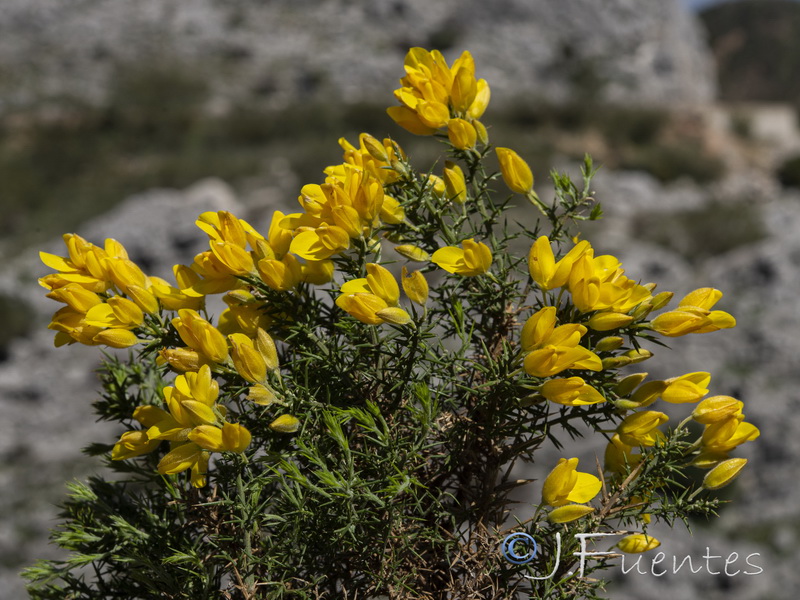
(348, 425)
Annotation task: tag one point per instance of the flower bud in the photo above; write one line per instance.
(723, 473)
(629, 383)
(606, 321)
(455, 183)
(412, 253)
(570, 512)
(609, 344)
(415, 286)
(393, 315)
(639, 355)
(637, 543)
(461, 133)
(716, 409)
(516, 172)
(285, 424)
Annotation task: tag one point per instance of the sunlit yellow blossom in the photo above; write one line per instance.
(183, 457)
(200, 335)
(247, 360)
(317, 272)
(245, 314)
(553, 349)
(641, 428)
(366, 299)
(455, 184)
(599, 283)
(415, 286)
(544, 269)
(430, 89)
(281, 275)
(461, 134)
(83, 266)
(686, 388)
(516, 172)
(693, 315)
(565, 484)
(572, 391)
(619, 456)
(723, 436)
(116, 338)
(716, 409)
(473, 258)
(637, 543)
(229, 438)
(320, 243)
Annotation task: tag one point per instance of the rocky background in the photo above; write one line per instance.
(127, 120)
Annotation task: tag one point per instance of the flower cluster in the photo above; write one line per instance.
(411, 392)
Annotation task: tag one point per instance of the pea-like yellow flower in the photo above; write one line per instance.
(200, 335)
(455, 184)
(281, 275)
(432, 92)
(545, 271)
(230, 437)
(320, 243)
(641, 428)
(244, 314)
(717, 409)
(723, 436)
(554, 349)
(599, 284)
(724, 473)
(188, 456)
(516, 172)
(247, 360)
(473, 258)
(686, 388)
(367, 299)
(462, 134)
(638, 543)
(619, 456)
(694, 315)
(566, 485)
(572, 391)
(415, 286)
(317, 272)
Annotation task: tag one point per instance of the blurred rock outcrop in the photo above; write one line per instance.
(46, 392)
(285, 51)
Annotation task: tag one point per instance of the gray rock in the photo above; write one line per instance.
(283, 51)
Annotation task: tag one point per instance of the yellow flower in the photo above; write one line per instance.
(641, 428)
(686, 388)
(247, 361)
(461, 133)
(599, 283)
(373, 300)
(430, 89)
(200, 335)
(723, 436)
(565, 485)
(717, 409)
(133, 443)
(454, 182)
(723, 473)
(619, 456)
(553, 349)
(516, 172)
(693, 315)
(320, 243)
(474, 258)
(183, 457)
(415, 286)
(229, 438)
(638, 543)
(412, 253)
(281, 275)
(317, 272)
(285, 424)
(569, 512)
(572, 391)
(544, 269)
